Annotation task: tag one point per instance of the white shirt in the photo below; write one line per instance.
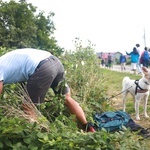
(18, 65)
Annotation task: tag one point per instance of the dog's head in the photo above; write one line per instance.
(146, 74)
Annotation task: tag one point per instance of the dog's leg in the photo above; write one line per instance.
(145, 106)
(124, 95)
(137, 101)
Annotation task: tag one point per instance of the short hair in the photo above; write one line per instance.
(135, 50)
(145, 48)
(137, 45)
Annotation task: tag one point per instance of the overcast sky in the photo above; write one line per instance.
(112, 25)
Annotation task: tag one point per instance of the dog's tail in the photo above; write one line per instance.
(125, 79)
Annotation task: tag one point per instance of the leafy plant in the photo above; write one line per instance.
(91, 86)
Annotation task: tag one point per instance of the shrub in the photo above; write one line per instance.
(89, 86)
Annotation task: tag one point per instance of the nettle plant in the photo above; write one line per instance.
(85, 78)
(88, 87)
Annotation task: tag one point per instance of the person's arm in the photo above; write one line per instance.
(1, 86)
(128, 53)
(75, 108)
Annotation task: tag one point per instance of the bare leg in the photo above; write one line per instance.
(121, 66)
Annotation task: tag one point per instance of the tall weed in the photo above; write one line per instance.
(91, 86)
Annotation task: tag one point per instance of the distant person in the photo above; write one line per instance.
(122, 61)
(106, 62)
(134, 59)
(137, 46)
(145, 57)
(109, 60)
(102, 62)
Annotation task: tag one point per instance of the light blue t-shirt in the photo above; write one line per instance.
(18, 65)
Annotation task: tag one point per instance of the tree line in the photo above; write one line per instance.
(21, 26)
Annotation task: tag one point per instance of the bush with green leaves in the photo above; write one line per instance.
(88, 86)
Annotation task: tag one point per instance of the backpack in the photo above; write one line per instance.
(114, 121)
(111, 121)
(145, 56)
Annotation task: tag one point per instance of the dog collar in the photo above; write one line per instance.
(142, 91)
(138, 89)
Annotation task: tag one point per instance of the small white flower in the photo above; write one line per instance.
(82, 63)
(76, 65)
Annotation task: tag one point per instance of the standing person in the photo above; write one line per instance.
(137, 46)
(41, 70)
(106, 62)
(102, 62)
(122, 61)
(109, 60)
(145, 57)
(134, 59)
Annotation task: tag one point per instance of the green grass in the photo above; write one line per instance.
(114, 81)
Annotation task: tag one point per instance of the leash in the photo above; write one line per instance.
(118, 93)
(136, 90)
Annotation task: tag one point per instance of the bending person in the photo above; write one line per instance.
(41, 70)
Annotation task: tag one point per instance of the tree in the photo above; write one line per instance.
(21, 26)
(45, 31)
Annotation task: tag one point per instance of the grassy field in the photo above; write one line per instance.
(114, 82)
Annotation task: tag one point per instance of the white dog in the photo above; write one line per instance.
(139, 89)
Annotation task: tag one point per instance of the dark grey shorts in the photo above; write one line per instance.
(49, 73)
